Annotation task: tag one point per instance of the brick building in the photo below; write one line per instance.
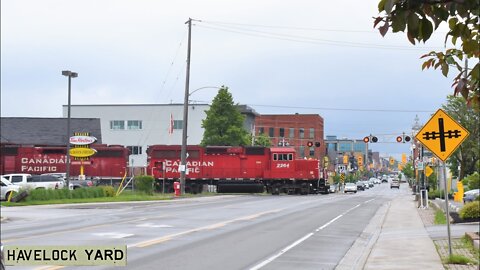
(294, 130)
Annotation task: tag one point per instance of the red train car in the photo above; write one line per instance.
(109, 162)
(236, 169)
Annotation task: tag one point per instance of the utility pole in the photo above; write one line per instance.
(183, 162)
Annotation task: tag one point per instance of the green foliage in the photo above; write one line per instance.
(420, 18)
(440, 217)
(260, 140)
(458, 259)
(60, 194)
(144, 184)
(472, 181)
(108, 191)
(467, 154)
(432, 180)
(408, 170)
(336, 178)
(470, 210)
(224, 122)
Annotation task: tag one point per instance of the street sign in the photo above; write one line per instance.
(428, 171)
(442, 135)
(82, 152)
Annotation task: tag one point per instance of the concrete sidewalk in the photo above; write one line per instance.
(395, 239)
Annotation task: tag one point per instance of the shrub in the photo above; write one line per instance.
(108, 191)
(472, 181)
(144, 183)
(458, 259)
(470, 210)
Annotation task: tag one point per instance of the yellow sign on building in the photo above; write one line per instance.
(442, 135)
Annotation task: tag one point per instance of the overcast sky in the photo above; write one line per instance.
(279, 57)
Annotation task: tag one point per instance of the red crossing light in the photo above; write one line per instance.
(310, 144)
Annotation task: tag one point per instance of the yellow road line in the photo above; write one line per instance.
(204, 228)
(75, 230)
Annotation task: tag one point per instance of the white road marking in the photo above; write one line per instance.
(151, 225)
(299, 241)
(113, 235)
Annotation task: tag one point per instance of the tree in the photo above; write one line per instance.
(224, 122)
(408, 170)
(468, 153)
(420, 18)
(260, 140)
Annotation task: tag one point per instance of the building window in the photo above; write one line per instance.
(134, 124)
(261, 130)
(312, 151)
(291, 133)
(312, 133)
(117, 124)
(281, 132)
(271, 132)
(177, 124)
(135, 150)
(301, 133)
(302, 151)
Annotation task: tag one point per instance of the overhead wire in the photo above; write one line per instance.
(310, 40)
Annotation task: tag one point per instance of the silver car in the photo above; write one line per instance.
(471, 195)
(350, 187)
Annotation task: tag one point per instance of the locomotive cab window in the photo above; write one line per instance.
(282, 157)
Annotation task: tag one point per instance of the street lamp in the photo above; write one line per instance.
(183, 153)
(70, 75)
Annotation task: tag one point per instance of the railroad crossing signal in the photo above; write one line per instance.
(442, 135)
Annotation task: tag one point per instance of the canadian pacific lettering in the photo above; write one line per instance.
(41, 164)
(192, 166)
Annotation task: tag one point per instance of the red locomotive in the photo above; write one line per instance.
(110, 162)
(236, 169)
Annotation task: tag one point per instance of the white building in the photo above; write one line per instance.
(139, 125)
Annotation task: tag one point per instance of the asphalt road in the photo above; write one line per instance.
(220, 232)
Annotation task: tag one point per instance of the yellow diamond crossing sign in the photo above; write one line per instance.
(442, 135)
(428, 171)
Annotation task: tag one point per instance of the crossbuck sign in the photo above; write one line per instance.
(442, 135)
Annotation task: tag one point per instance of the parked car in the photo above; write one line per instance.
(360, 185)
(350, 187)
(332, 188)
(394, 184)
(7, 188)
(471, 195)
(74, 183)
(35, 181)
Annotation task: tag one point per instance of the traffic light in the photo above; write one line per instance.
(403, 138)
(360, 160)
(311, 144)
(370, 138)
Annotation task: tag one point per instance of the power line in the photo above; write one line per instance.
(310, 40)
(330, 108)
